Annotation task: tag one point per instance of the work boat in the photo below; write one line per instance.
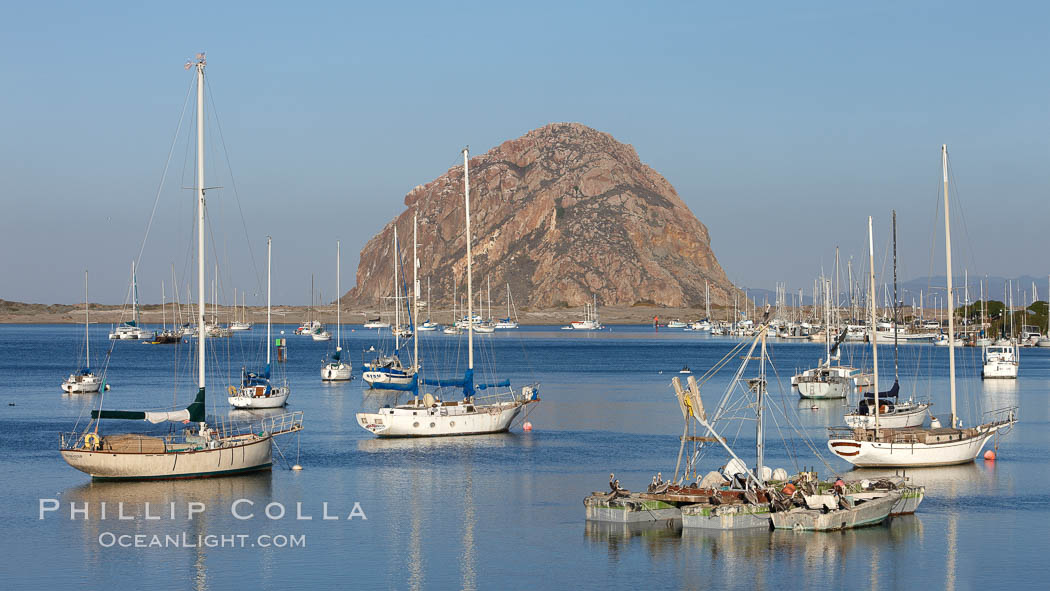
(429, 415)
(919, 446)
(739, 497)
(895, 413)
(199, 450)
(335, 369)
(1000, 361)
(260, 389)
(83, 380)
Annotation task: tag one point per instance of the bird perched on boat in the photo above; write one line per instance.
(613, 483)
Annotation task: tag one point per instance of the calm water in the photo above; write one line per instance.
(500, 511)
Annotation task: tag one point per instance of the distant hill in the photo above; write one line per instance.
(561, 214)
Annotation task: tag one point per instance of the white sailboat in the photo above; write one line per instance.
(920, 446)
(509, 322)
(200, 450)
(258, 389)
(242, 324)
(428, 325)
(131, 330)
(429, 416)
(895, 413)
(827, 381)
(387, 369)
(335, 369)
(83, 380)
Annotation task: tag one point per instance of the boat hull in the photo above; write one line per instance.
(726, 517)
(337, 372)
(878, 454)
(896, 420)
(628, 509)
(431, 422)
(870, 512)
(277, 399)
(223, 461)
(999, 370)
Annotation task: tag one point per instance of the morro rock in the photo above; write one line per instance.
(561, 214)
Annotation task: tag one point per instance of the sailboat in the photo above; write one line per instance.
(387, 369)
(508, 322)
(908, 413)
(199, 450)
(590, 318)
(243, 323)
(920, 446)
(131, 330)
(828, 381)
(83, 380)
(311, 326)
(258, 388)
(430, 416)
(336, 370)
(485, 326)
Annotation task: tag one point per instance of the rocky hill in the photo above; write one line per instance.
(561, 213)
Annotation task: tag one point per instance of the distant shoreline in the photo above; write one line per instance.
(13, 313)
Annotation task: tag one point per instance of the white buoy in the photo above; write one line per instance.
(297, 467)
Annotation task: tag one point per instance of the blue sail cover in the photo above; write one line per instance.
(891, 393)
(466, 383)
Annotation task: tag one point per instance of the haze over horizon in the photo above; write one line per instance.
(782, 128)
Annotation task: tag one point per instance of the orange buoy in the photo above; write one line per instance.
(989, 455)
(527, 426)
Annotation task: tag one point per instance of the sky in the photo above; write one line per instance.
(781, 126)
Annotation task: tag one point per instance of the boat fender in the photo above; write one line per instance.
(232, 390)
(91, 441)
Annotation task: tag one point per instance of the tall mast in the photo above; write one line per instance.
(415, 294)
(760, 444)
(201, 332)
(895, 311)
(470, 284)
(951, 296)
(874, 339)
(268, 265)
(87, 321)
(134, 294)
(397, 299)
(707, 299)
(338, 293)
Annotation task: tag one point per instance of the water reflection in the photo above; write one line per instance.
(654, 536)
(168, 503)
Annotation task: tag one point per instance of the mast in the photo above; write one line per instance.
(268, 337)
(201, 332)
(707, 299)
(951, 296)
(415, 295)
(760, 443)
(163, 308)
(827, 322)
(470, 284)
(397, 299)
(134, 294)
(338, 292)
(895, 311)
(874, 339)
(87, 321)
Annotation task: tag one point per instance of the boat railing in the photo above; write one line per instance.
(274, 425)
(1000, 416)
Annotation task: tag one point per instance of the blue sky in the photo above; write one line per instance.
(782, 127)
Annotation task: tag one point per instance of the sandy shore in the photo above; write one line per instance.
(12, 313)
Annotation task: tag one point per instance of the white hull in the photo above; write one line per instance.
(337, 372)
(907, 418)
(441, 421)
(377, 325)
(825, 390)
(881, 454)
(379, 377)
(241, 326)
(77, 384)
(322, 336)
(248, 453)
(278, 397)
(1001, 370)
